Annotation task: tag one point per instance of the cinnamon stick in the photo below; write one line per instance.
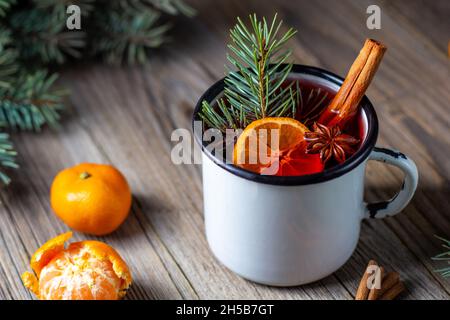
(374, 293)
(393, 292)
(388, 282)
(363, 291)
(346, 102)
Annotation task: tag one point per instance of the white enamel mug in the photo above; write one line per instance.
(288, 231)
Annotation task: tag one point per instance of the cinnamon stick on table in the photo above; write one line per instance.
(393, 292)
(375, 292)
(391, 279)
(382, 287)
(346, 102)
(363, 290)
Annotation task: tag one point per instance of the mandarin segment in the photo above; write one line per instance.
(105, 252)
(86, 270)
(77, 274)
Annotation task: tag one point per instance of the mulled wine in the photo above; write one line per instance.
(316, 96)
(308, 146)
(293, 123)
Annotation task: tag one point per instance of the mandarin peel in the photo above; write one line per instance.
(31, 282)
(47, 251)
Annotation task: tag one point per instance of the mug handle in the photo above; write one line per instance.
(401, 199)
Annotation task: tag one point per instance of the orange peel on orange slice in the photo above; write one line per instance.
(85, 270)
(286, 150)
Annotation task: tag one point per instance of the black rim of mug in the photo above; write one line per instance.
(357, 158)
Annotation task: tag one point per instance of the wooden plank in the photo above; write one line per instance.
(428, 22)
(125, 116)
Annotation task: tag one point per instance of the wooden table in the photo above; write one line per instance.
(125, 116)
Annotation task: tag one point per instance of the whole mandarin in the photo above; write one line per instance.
(91, 198)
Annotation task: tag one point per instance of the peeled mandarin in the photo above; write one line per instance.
(85, 270)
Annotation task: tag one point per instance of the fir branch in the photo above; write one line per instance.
(120, 30)
(257, 88)
(40, 34)
(7, 157)
(58, 6)
(33, 34)
(125, 37)
(171, 7)
(8, 70)
(5, 37)
(29, 102)
(445, 256)
(5, 5)
(8, 67)
(309, 104)
(129, 29)
(8, 59)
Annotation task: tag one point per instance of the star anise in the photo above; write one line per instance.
(330, 142)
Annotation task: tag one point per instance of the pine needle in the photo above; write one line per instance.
(7, 157)
(30, 102)
(119, 30)
(126, 37)
(5, 6)
(445, 256)
(256, 86)
(33, 35)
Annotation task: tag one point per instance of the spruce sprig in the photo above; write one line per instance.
(7, 157)
(30, 102)
(171, 7)
(257, 88)
(60, 6)
(5, 5)
(129, 29)
(445, 256)
(33, 35)
(119, 30)
(125, 37)
(27, 100)
(42, 36)
(8, 57)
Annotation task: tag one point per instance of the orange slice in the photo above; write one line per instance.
(275, 146)
(85, 270)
